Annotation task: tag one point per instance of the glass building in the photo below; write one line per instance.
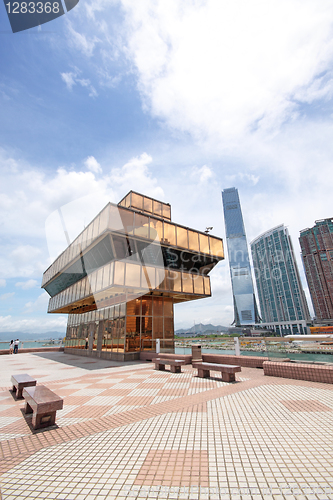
(317, 254)
(245, 308)
(282, 300)
(120, 278)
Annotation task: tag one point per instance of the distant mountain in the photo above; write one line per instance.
(7, 336)
(200, 328)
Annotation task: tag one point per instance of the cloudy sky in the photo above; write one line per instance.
(177, 100)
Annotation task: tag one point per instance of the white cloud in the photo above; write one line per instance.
(241, 177)
(26, 285)
(92, 164)
(221, 70)
(202, 174)
(81, 42)
(33, 325)
(2, 282)
(40, 304)
(6, 296)
(71, 79)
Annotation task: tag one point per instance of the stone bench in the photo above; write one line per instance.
(43, 403)
(175, 364)
(227, 371)
(20, 382)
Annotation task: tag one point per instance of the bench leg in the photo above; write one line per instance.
(203, 373)
(27, 408)
(176, 369)
(14, 389)
(19, 392)
(228, 377)
(159, 367)
(40, 420)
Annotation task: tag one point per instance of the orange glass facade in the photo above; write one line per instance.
(119, 279)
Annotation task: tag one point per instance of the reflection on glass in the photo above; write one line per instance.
(148, 277)
(166, 211)
(95, 228)
(103, 220)
(168, 307)
(119, 273)
(198, 284)
(168, 328)
(182, 237)
(193, 239)
(169, 233)
(157, 208)
(204, 243)
(158, 328)
(175, 281)
(216, 247)
(133, 272)
(207, 285)
(156, 229)
(147, 306)
(137, 201)
(187, 283)
(158, 306)
(147, 204)
(141, 226)
(127, 218)
(134, 307)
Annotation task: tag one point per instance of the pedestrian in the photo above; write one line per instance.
(87, 340)
(11, 347)
(16, 344)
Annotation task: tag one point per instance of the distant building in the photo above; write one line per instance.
(245, 308)
(282, 300)
(120, 278)
(317, 254)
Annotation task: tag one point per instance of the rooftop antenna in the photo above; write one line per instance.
(208, 229)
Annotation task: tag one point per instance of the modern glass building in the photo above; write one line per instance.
(282, 300)
(317, 254)
(120, 278)
(245, 308)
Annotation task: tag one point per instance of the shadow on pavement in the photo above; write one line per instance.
(83, 362)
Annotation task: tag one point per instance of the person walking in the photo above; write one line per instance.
(11, 347)
(16, 344)
(87, 342)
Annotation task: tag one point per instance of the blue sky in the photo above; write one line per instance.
(177, 101)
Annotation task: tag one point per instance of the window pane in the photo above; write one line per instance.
(147, 306)
(182, 237)
(207, 285)
(156, 229)
(198, 284)
(103, 220)
(168, 307)
(168, 328)
(133, 272)
(106, 276)
(99, 279)
(157, 208)
(127, 219)
(119, 273)
(148, 277)
(133, 308)
(193, 241)
(141, 226)
(216, 247)
(95, 228)
(158, 306)
(137, 201)
(166, 211)
(175, 281)
(147, 204)
(158, 328)
(187, 283)
(204, 244)
(169, 234)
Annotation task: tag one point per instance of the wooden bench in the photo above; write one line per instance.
(227, 371)
(175, 364)
(43, 403)
(20, 382)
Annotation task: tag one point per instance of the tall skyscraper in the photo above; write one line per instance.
(281, 296)
(317, 254)
(245, 308)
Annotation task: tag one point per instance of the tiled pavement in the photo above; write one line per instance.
(128, 431)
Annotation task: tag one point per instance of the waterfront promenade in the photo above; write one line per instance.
(128, 431)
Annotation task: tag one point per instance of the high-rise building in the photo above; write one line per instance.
(317, 254)
(120, 278)
(281, 296)
(245, 308)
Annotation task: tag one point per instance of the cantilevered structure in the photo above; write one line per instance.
(119, 279)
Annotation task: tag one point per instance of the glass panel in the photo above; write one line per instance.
(103, 220)
(216, 247)
(158, 306)
(207, 285)
(204, 244)
(119, 273)
(198, 284)
(133, 308)
(157, 208)
(148, 277)
(169, 234)
(168, 307)
(156, 229)
(147, 204)
(92, 279)
(89, 233)
(175, 281)
(133, 272)
(147, 306)
(99, 280)
(158, 328)
(141, 226)
(121, 330)
(137, 201)
(193, 241)
(161, 281)
(127, 219)
(168, 328)
(187, 283)
(182, 237)
(106, 276)
(132, 333)
(95, 228)
(115, 222)
(166, 211)
(122, 309)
